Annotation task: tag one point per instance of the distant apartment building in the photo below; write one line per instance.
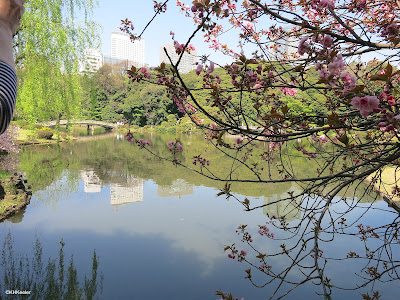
(187, 62)
(123, 49)
(118, 66)
(92, 61)
(286, 46)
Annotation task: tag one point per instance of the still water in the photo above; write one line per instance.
(158, 231)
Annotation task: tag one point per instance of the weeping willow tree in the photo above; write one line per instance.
(48, 47)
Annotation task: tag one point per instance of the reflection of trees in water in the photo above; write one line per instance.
(17, 217)
(279, 205)
(54, 280)
(178, 188)
(299, 244)
(113, 161)
(58, 189)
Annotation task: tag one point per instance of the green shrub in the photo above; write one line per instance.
(134, 128)
(44, 134)
(171, 129)
(185, 125)
(161, 129)
(23, 124)
(171, 120)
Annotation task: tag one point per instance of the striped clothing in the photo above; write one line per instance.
(8, 95)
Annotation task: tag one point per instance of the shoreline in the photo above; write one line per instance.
(72, 139)
(14, 196)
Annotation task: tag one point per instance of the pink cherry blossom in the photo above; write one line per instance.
(325, 3)
(323, 74)
(303, 46)
(210, 69)
(289, 91)
(142, 143)
(323, 139)
(365, 104)
(199, 69)
(391, 100)
(175, 147)
(327, 41)
(348, 79)
(248, 25)
(336, 66)
(178, 47)
(319, 66)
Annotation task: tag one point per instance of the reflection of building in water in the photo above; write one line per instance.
(288, 208)
(92, 182)
(131, 191)
(178, 188)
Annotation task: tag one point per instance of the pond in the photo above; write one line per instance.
(158, 230)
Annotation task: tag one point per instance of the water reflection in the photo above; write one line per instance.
(129, 192)
(278, 206)
(127, 188)
(27, 275)
(92, 182)
(165, 243)
(17, 217)
(178, 188)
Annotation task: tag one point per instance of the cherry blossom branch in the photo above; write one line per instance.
(307, 25)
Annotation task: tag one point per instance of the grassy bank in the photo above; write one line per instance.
(28, 135)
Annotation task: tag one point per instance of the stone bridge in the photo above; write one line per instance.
(85, 122)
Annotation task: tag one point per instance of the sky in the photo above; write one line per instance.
(109, 14)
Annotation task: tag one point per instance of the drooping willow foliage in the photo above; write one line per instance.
(48, 47)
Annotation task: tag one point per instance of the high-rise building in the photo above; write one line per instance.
(286, 47)
(187, 62)
(122, 48)
(92, 61)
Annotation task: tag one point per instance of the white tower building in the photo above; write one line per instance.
(286, 46)
(187, 62)
(122, 48)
